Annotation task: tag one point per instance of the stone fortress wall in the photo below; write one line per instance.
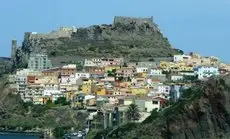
(128, 20)
(67, 31)
(61, 32)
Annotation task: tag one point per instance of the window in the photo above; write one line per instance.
(154, 102)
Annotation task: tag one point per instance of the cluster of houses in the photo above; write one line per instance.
(112, 81)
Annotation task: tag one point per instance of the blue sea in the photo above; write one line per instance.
(17, 136)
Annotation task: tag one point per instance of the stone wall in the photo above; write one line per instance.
(127, 20)
(62, 32)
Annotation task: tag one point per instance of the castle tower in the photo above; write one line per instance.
(13, 49)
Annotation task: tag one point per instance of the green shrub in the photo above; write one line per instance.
(62, 101)
(58, 132)
(153, 116)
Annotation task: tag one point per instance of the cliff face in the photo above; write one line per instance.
(205, 113)
(126, 37)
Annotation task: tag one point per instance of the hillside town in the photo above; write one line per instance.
(110, 85)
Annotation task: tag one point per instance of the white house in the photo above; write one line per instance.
(141, 69)
(186, 73)
(82, 75)
(152, 104)
(21, 84)
(113, 100)
(68, 80)
(206, 72)
(165, 89)
(156, 72)
(51, 86)
(180, 58)
(177, 77)
(24, 72)
(127, 102)
(69, 66)
(91, 62)
(52, 92)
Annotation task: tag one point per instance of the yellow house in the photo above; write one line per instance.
(139, 91)
(182, 67)
(70, 95)
(110, 68)
(45, 99)
(179, 66)
(38, 100)
(46, 79)
(165, 66)
(86, 87)
(188, 68)
(101, 91)
(142, 75)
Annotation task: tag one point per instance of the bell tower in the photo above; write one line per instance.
(13, 49)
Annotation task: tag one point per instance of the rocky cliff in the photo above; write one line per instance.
(127, 37)
(204, 113)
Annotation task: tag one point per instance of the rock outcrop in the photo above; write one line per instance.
(131, 38)
(204, 114)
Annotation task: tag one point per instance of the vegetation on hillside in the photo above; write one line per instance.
(5, 66)
(20, 116)
(202, 105)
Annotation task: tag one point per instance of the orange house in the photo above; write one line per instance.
(51, 72)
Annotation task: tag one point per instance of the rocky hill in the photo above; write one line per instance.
(131, 38)
(204, 113)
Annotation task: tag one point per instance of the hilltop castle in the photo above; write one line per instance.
(128, 20)
(66, 32)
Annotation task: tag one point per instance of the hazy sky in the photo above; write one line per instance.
(191, 25)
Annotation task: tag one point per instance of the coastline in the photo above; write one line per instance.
(4, 132)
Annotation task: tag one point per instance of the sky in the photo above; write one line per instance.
(191, 25)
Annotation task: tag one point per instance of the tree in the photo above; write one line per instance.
(129, 79)
(49, 104)
(110, 73)
(153, 116)
(114, 70)
(38, 110)
(58, 132)
(133, 113)
(121, 78)
(62, 101)
(125, 65)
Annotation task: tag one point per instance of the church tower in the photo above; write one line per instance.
(13, 49)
